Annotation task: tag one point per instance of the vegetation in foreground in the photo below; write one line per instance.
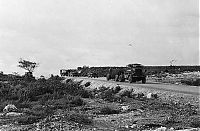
(66, 102)
(40, 98)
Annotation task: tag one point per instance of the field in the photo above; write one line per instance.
(75, 104)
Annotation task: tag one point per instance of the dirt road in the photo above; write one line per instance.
(193, 90)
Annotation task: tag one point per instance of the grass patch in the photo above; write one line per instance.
(107, 110)
(195, 122)
(24, 120)
(42, 111)
(77, 101)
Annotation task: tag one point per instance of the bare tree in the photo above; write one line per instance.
(27, 65)
(172, 62)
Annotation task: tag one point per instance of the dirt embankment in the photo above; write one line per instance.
(164, 95)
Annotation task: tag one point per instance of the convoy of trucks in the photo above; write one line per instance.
(70, 72)
(131, 73)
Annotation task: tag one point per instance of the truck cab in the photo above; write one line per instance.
(135, 72)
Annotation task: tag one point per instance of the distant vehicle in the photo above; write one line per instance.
(74, 74)
(114, 74)
(70, 72)
(93, 75)
(64, 72)
(135, 72)
(132, 73)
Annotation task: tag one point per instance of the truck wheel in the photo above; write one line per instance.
(116, 78)
(144, 80)
(108, 77)
(130, 79)
(134, 79)
(121, 78)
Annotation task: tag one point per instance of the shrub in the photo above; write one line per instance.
(125, 92)
(87, 94)
(192, 82)
(26, 111)
(106, 110)
(196, 82)
(77, 118)
(62, 103)
(46, 97)
(5, 103)
(77, 101)
(186, 81)
(5, 90)
(107, 95)
(103, 88)
(27, 119)
(42, 89)
(87, 84)
(84, 93)
(25, 104)
(68, 80)
(195, 122)
(116, 89)
(42, 111)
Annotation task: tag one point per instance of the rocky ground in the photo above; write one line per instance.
(164, 95)
(144, 112)
(124, 110)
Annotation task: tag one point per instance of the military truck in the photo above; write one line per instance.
(135, 72)
(132, 73)
(115, 74)
(92, 75)
(64, 72)
(69, 72)
(74, 74)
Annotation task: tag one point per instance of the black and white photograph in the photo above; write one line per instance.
(99, 65)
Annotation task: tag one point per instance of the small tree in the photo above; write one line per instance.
(28, 65)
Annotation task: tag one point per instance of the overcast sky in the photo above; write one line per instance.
(69, 33)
